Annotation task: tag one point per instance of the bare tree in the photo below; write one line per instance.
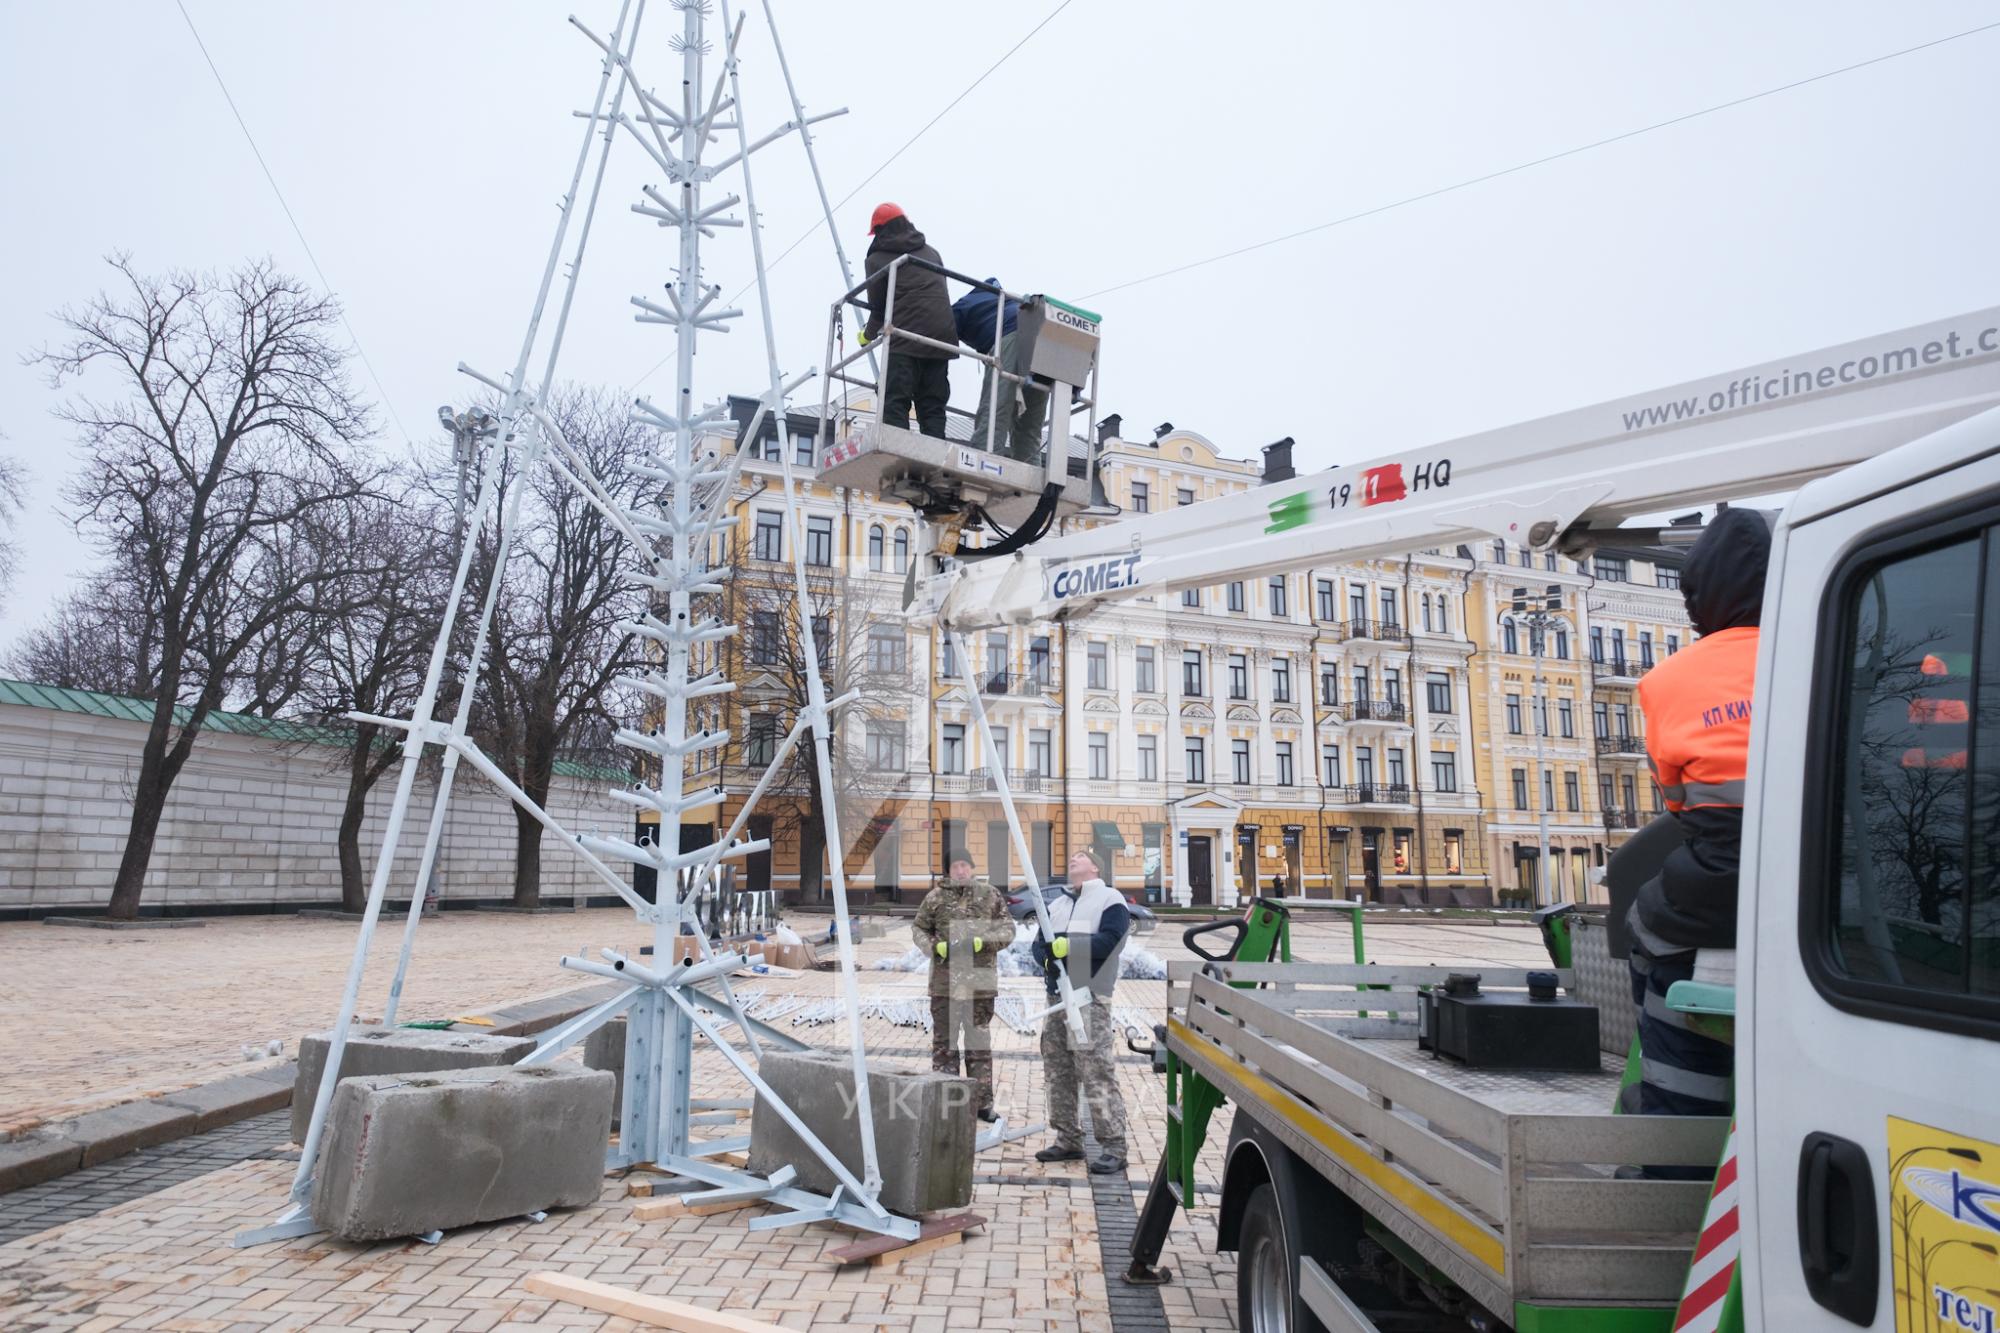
(222, 460)
(862, 649)
(556, 652)
(13, 499)
(371, 656)
(103, 637)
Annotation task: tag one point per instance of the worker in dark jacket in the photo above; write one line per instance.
(1022, 404)
(915, 372)
(1697, 708)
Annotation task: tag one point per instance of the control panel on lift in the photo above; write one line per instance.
(953, 481)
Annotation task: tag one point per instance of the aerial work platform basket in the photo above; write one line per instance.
(985, 470)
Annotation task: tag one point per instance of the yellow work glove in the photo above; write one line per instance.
(942, 949)
(978, 943)
(1060, 948)
(861, 338)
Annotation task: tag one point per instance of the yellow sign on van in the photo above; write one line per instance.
(1944, 1230)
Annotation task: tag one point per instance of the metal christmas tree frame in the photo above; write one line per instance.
(663, 1003)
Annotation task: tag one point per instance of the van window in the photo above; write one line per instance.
(1910, 920)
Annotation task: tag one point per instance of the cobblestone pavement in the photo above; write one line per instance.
(142, 1246)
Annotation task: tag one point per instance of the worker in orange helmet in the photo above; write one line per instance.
(916, 373)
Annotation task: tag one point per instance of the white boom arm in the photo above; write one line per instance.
(1758, 431)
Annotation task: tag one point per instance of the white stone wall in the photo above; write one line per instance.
(250, 822)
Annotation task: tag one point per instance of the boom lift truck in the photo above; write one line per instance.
(1367, 1185)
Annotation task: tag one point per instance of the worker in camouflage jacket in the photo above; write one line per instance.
(962, 927)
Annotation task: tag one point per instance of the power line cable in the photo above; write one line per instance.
(1540, 161)
(296, 229)
(928, 125)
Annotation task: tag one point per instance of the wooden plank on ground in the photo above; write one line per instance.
(654, 1311)
(677, 1205)
(936, 1235)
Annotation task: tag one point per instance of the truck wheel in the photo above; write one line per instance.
(1265, 1267)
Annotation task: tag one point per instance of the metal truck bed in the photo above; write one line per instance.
(1502, 1180)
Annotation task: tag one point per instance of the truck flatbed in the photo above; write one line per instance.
(1502, 1180)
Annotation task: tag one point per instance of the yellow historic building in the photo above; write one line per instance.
(1351, 730)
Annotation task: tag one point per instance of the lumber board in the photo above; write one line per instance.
(676, 1205)
(935, 1235)
(654, 1311)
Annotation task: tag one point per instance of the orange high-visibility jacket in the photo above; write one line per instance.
(1697, 707)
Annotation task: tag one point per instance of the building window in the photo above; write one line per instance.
(1618, 651)
(1444, 771)
(875, 549)
(1197, 760)
(1499, 552)
(1607, 800)
(1329, 765)
(1097, 664)
(761, 743)
(1149, 758)
(1510, 638)
(1364, 765)
(1645, 648)
(1281, 680)
(1100, 755)
(1357, 603)
(1361, 692)
(764, 638)
(1323, 599)
(887, 747)
(1427, 613)
(819, 540)
(1612, 569)
(1191, 597)
(1239, 676)
(1191, 672)
(1548, 790)
(1623, 712)
(1142, 498)
(1002, 747)
(1437, 689)
(1285, 764)
(947, 658)
(770, 535)
(1673, 644)
(1541, 717)
(1390, 615)
(1562, 644)
(1527, 558)
(888, 650)
(1454, 852)
(1398, 776)
(1444, 615)
(1520, 789)
(1566, 718)
(1329, 684)
(1234, 594)
(1038, 660)
(902, 551)
(1667, 576)
(1278, 596)
(1399, 845)
(1185, 495)
(996, 663)
(1041, 755)
(1513, 715)
(951, 748)
(1239, 762)
(1145, 668)
(1597, 644)
(1572, 794)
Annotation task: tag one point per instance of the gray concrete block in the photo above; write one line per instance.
(924, 1128)
(380, 1050)
(605, 1049)
(228, 1100)
(117, 1130)
(429, 1152)
(32, 1160)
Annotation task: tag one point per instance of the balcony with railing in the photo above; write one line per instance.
(1621, 819)
(1621, 747)
(1375, 793)
(1015, 684)
(1618, 669)
(980, 781)
(1376, 631)
(1377, 710)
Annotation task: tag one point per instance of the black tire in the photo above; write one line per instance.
(1267, 1268)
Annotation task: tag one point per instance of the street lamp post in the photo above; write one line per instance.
(1538, 614)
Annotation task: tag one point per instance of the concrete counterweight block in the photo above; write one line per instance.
(604, 1048)
(380, 1050)
(924, 1128)
(412, 1153)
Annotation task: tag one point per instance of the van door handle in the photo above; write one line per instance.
(1838, 1231)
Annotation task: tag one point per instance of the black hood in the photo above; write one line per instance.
(898, 236)
(1723, 581)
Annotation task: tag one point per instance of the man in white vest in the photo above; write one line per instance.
(1089, 921)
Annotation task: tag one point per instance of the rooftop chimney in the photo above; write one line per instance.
(1278, 461)
(1161, 431)
(1107, 429)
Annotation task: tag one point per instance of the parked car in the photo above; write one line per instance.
(1021, 908)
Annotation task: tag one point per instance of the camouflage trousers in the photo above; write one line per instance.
(960, 1024)
(1090, 1069)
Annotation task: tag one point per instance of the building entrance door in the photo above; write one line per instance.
(1201, 870)
(1371, 863)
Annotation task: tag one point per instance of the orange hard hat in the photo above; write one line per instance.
(883, 212)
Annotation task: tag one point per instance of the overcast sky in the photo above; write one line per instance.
(422, 148)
